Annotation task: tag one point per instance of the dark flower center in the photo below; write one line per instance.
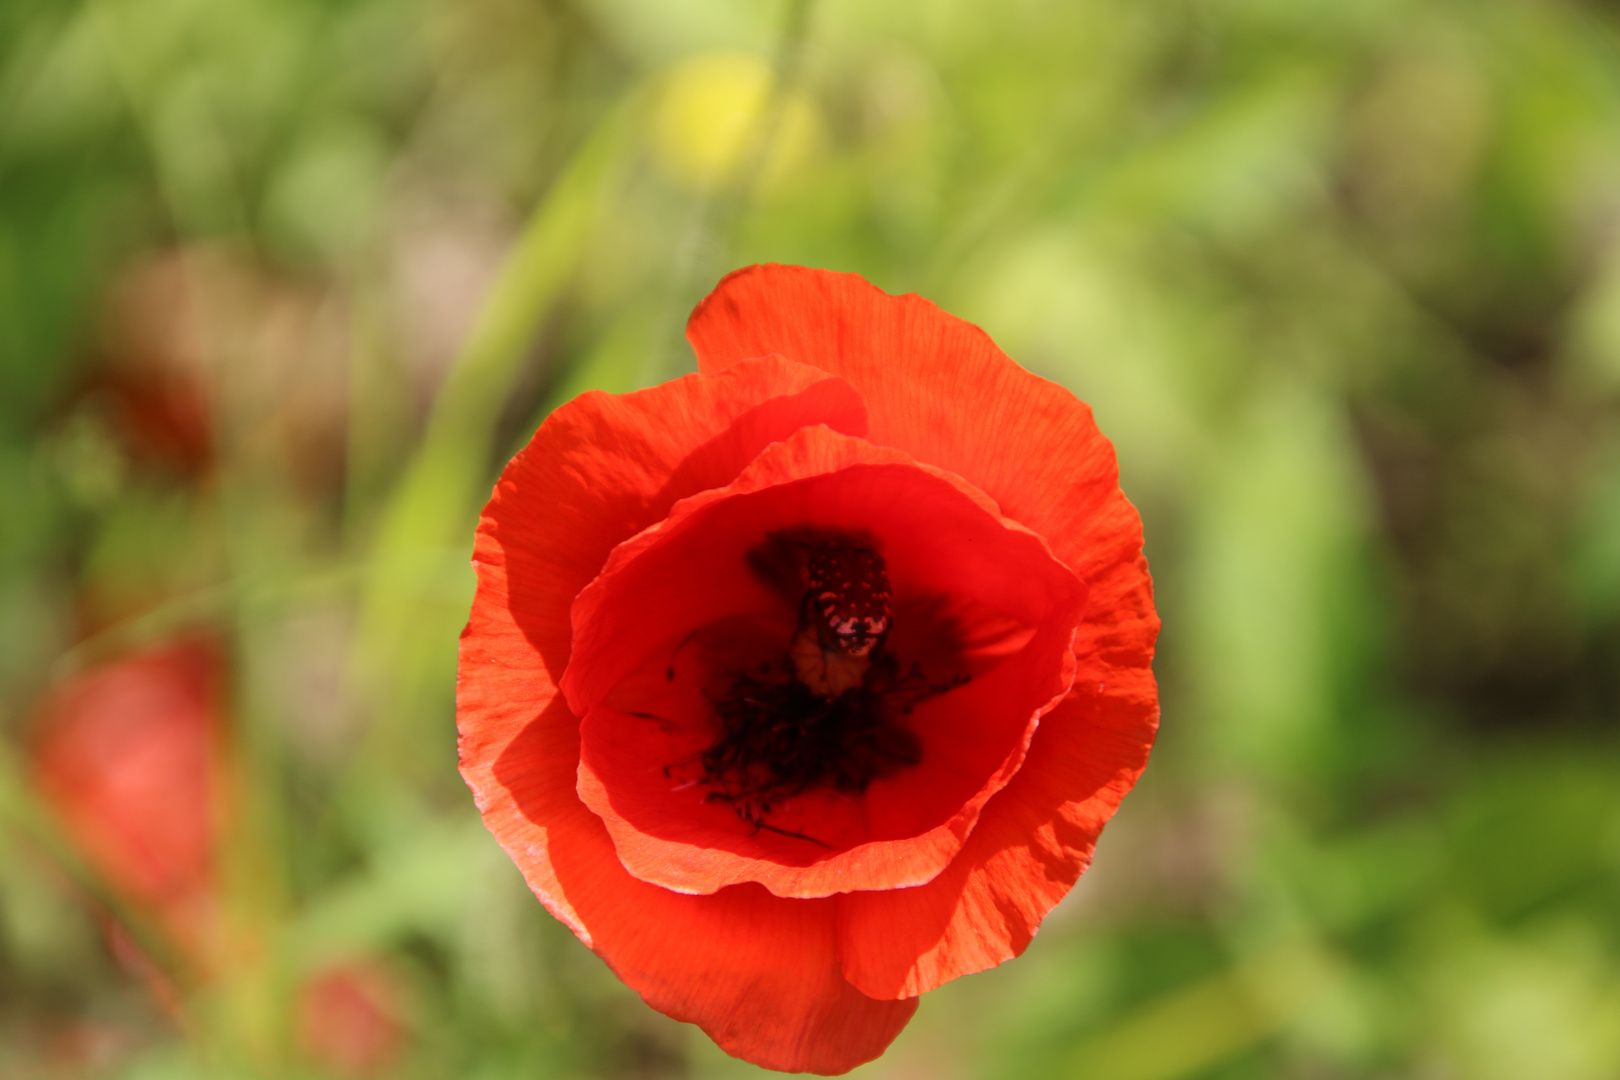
(832, 713)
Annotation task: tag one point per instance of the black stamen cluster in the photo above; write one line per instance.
(778, 738)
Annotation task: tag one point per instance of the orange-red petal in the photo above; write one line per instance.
(934, 386)
(758, 973)
(603, 467)
(939, 388)
(940, 536)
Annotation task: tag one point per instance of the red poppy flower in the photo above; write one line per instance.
(127, 754)
(804, 684)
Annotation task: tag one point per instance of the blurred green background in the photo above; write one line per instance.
(284, 282)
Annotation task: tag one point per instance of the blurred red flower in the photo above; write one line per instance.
(127, 755)
(350, 1022)
(804, 684)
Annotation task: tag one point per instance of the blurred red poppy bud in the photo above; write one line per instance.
(350, 1020)
(801, 685)
(199, 341)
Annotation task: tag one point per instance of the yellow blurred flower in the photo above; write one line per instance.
(715, 106)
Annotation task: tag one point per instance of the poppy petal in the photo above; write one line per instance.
(1036, 837)
(934, 386)
(939, 388)
(759, 974)
(599, 470)
(603, 467)
(691, 570)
